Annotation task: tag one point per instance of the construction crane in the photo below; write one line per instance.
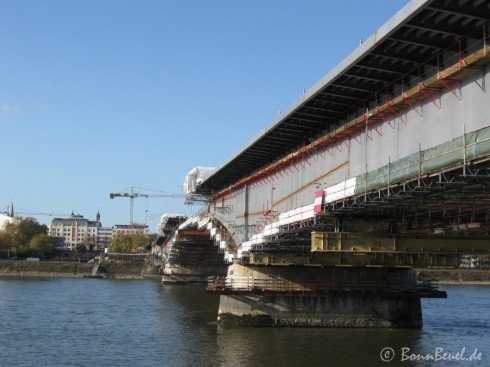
(132, 195)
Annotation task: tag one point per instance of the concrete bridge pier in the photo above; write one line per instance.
(192, 257)
(297, 296)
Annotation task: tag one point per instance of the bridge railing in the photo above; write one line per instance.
(219, 284)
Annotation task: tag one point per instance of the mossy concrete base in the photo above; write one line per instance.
(346, 311)
(364, 297)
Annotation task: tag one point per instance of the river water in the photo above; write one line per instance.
(93, 322)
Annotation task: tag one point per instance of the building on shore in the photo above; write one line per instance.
(8, 217)
(129, 229)
(4, 219)
(76, 231)
(104, 237)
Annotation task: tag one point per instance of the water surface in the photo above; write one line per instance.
(93, 322)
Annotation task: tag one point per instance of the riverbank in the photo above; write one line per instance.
(456, 276)
(138, 270)
(60, 269)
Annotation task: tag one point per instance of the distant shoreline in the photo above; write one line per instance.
(455, 276)
(476, 282)
(59, 269)
(137, 270)
(36, 275)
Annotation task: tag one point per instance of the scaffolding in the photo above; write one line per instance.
(368, 122)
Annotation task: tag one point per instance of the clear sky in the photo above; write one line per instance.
(97, 96)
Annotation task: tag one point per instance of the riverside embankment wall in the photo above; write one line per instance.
(456, 276)
(20, 268)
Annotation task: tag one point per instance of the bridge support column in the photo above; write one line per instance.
(320, 297)
(191, 257)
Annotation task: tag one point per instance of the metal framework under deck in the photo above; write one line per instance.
(450, 202)
(428, 49)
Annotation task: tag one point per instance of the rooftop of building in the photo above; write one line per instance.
(130, 226)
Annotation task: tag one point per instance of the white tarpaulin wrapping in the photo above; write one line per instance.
(340, 191)
(195, 177)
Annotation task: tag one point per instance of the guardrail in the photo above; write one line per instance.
(226, 285)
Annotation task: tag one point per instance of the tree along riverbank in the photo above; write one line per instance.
(66, 269)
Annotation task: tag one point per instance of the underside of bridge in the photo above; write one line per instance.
(438, 217)
(191, 257)
(383, 166)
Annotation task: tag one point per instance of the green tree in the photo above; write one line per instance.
(124, 243)
(5, 242)
(81, 248)
(29, 227)
(17, 236)
(120, 243)
(41, 244)
(138, 240)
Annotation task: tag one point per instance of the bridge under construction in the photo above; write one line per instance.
(381, 167)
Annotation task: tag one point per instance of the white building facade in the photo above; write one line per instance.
(77, 231)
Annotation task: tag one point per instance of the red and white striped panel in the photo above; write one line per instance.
(317, 208)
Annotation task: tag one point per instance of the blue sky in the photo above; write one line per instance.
(97, 96)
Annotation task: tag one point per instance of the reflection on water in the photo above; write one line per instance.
(296, 347)
(87, 322)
